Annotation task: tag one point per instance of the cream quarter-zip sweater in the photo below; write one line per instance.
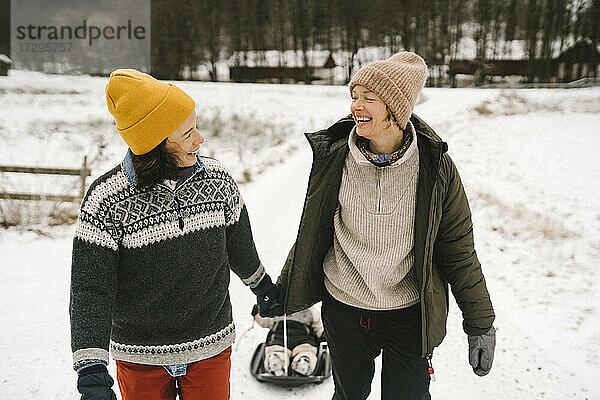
(370, 264)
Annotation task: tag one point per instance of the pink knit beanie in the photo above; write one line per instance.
(397, 80)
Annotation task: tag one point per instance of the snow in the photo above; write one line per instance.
(528, 160)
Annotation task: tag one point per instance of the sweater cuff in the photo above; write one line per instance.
(90, 364)
(85, 356)
(256, 277)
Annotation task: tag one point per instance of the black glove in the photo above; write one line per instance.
(94, 383)
(268, 298)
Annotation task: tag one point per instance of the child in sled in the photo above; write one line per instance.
(304, 331)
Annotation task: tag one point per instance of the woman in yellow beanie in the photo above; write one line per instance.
(386, 227)
(155, 242)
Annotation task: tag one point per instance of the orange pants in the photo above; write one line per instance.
(206, 379)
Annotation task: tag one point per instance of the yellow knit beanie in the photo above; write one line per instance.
(397, 80)
(146, 111)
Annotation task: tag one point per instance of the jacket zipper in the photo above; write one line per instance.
(379, 172)
(427, 252)
(428, 248)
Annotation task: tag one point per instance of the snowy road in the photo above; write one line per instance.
(35, 290)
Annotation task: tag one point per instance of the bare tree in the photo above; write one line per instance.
(351, 14)
(169, 36)
(209, 21)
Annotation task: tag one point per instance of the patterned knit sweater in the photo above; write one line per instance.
(370, 264)
(151, 267)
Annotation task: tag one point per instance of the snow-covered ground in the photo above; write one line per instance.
(528, 160)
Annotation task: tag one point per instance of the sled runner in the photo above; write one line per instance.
(322, 370)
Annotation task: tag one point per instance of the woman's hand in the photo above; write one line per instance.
(94, 383)
(268, 298)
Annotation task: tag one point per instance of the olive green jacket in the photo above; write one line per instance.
(444, 250)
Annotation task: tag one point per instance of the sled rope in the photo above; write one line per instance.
(244, 334)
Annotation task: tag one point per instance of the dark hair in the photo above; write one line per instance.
(154, 166)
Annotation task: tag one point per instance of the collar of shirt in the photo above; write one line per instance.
(130, 173)
(383, 160)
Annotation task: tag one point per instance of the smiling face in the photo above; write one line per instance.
(369, 112)
(185, 142)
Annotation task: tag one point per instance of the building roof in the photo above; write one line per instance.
(582, 51)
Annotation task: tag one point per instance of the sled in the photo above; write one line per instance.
(322, 370)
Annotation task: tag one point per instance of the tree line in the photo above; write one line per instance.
(186, 33)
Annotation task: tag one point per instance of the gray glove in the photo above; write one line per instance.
(481, 351)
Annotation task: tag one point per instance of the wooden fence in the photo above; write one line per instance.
(83, 173)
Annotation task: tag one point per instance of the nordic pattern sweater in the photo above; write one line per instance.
(151, 267)
(370, 264)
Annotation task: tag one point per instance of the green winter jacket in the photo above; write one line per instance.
(444, 250)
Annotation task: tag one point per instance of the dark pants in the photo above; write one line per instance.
(355, 337)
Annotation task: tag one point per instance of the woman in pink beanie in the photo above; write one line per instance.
(386, 227)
